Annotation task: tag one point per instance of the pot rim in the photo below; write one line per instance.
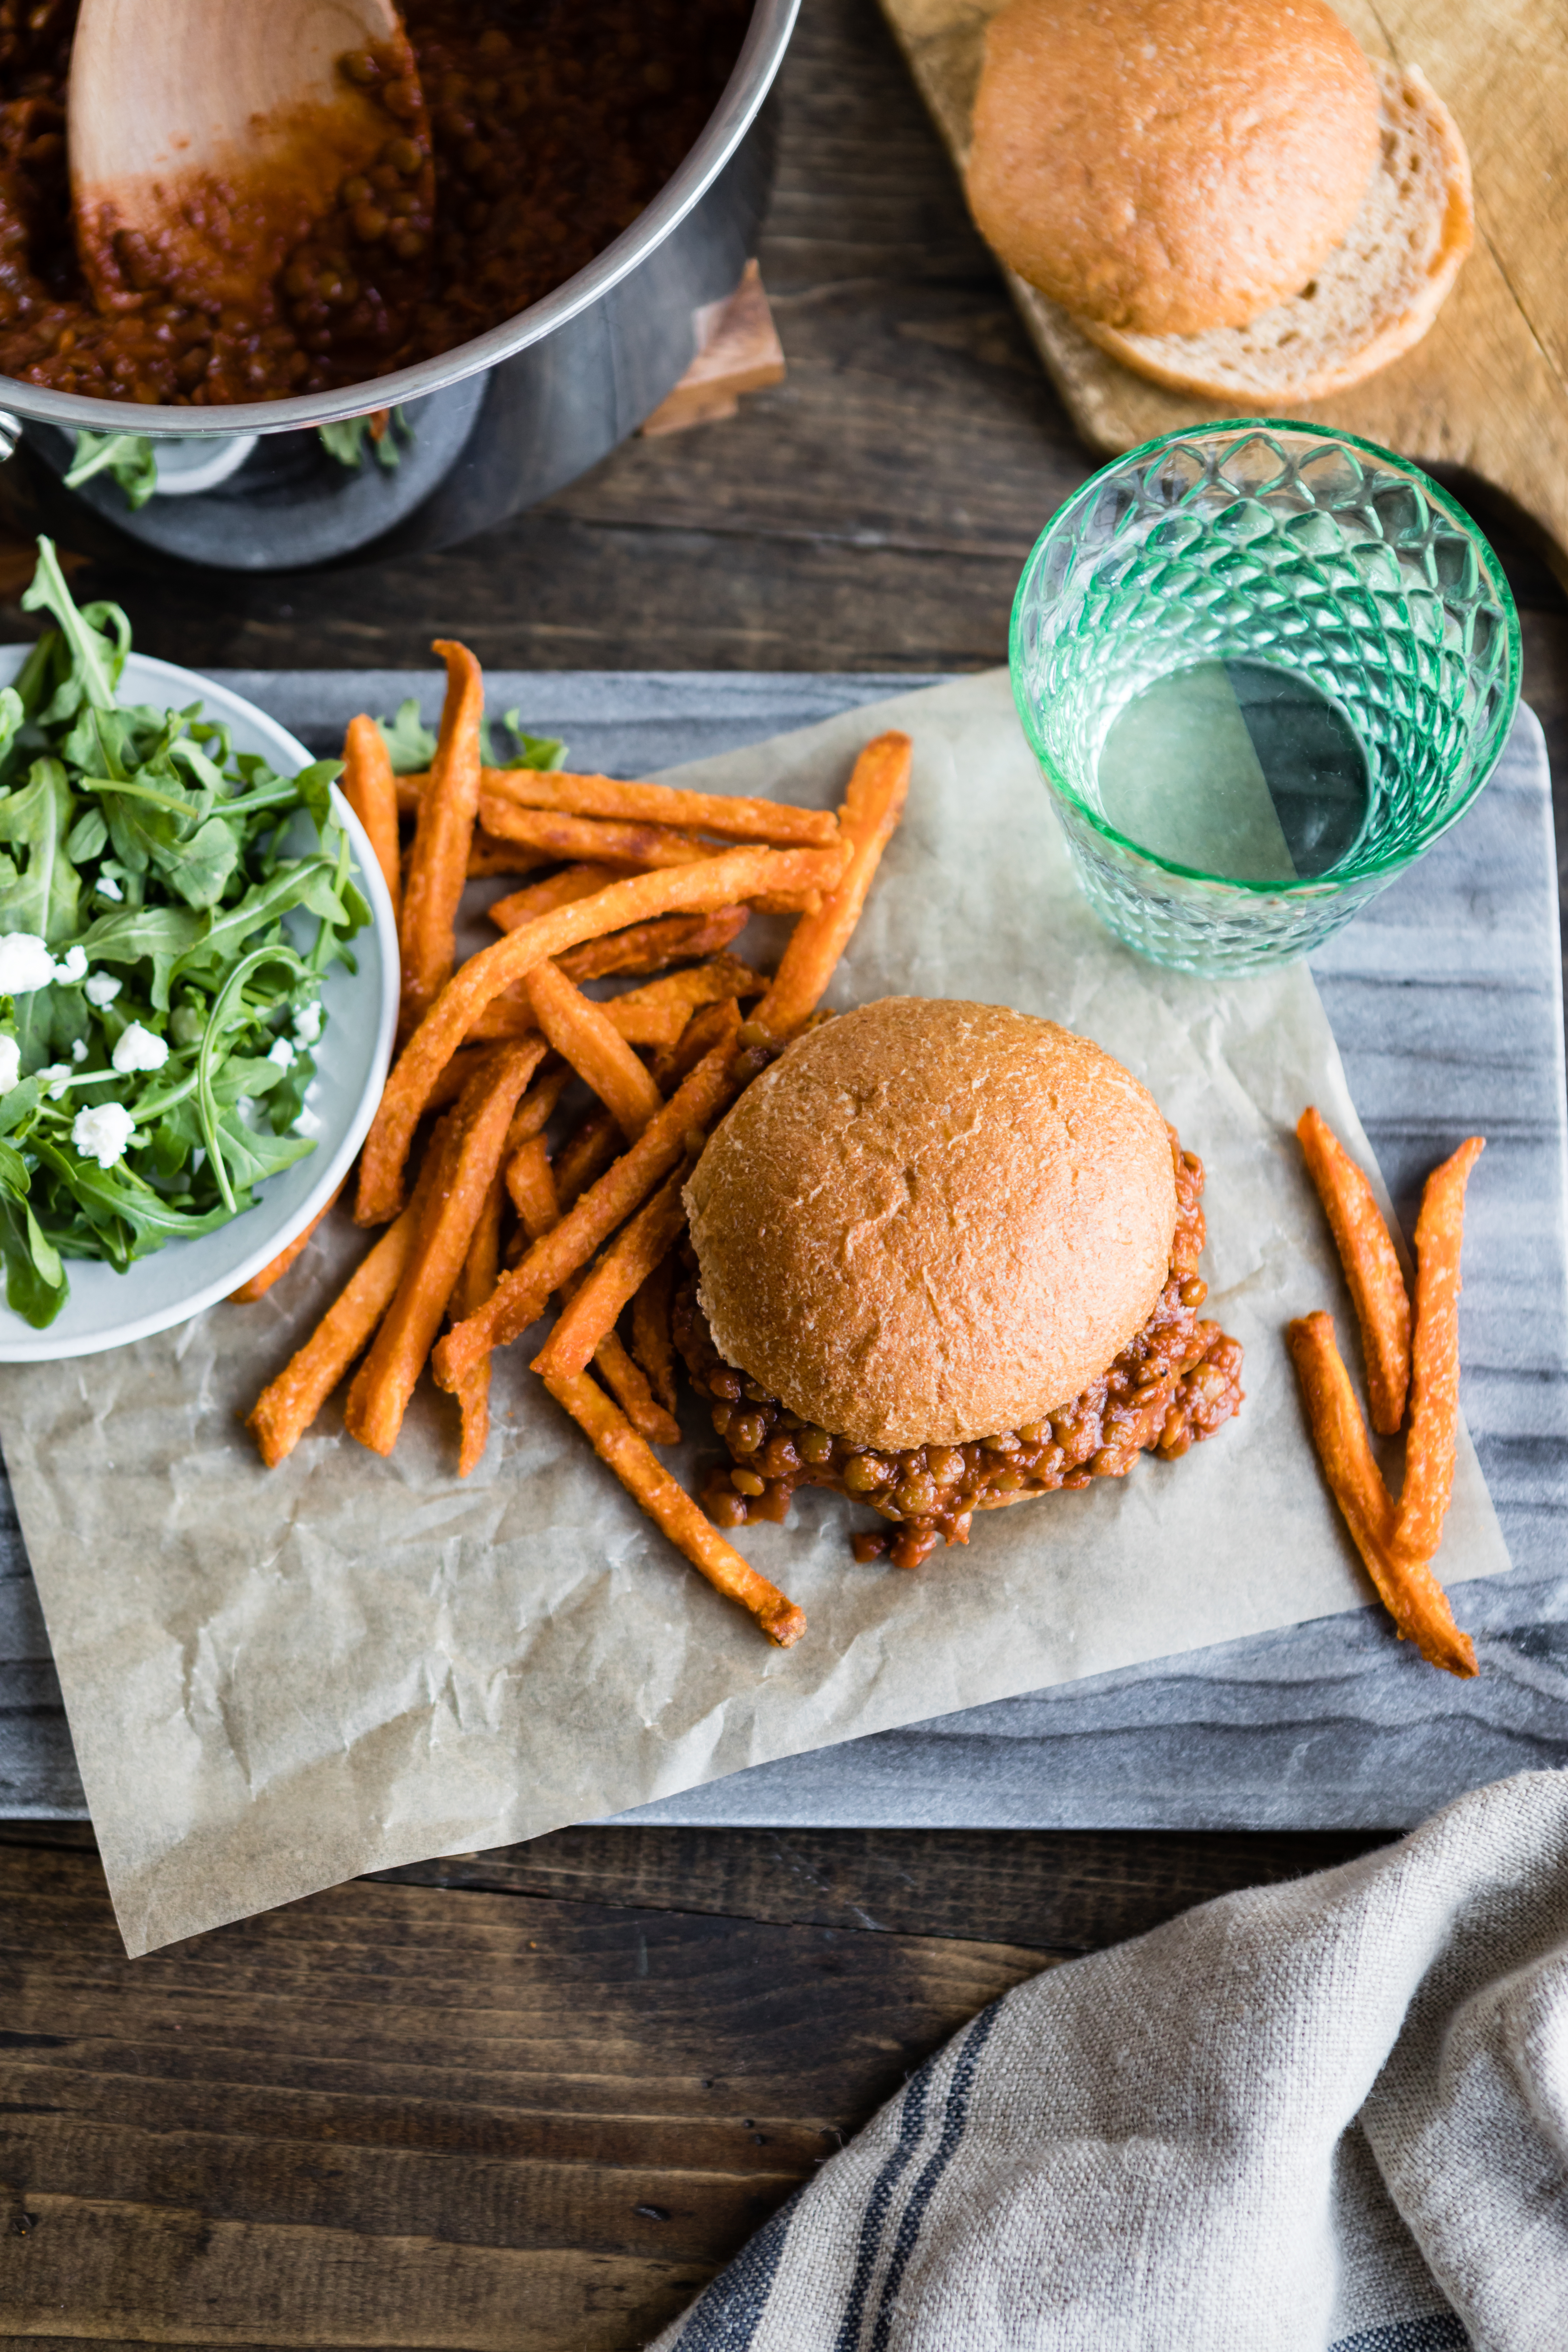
(762, 52)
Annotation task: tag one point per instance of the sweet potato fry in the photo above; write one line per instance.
(652, 1345)
(628, 1383)
(521, 1294)
(654, 1015)
(460, 1069)
(261, 1283)
(597, 1305)
(645, 1478)
(583, 836)
(1408, 1589)
(652, 947)
(734, 818)
(475, 1284)
(873, 804)
(287, 1405)
(658, 1015)
(729, 815)
(711, 1025)
(583, 1033)
(532, 1190)
(557, 889)
(490, 859)
(467, 1164)
(585, 1154)
(537, 1109)
(1434, 1358)
(370, 789)
(722, 881)
(438, 864)
(1372, 1271)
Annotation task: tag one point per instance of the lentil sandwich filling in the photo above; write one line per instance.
(944, 1257)
(1173, 1385)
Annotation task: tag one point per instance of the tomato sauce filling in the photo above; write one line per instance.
(1171, 1386)
(534, 133)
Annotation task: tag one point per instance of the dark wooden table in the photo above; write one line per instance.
(533, 2099)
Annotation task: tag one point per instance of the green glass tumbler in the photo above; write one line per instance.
(1270, 556)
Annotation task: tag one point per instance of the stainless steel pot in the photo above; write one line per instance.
(494, 424)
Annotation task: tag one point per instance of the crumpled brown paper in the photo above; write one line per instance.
(277, 1679)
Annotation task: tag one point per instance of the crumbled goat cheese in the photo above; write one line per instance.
(307, 1023)
(57, 1078)
(108, 887)
(72, 965)
(26, 963)
(10, 1064)
(102, 1132)
(102, 989)
(79, 1049)
(140, 1049)
(281, 1051)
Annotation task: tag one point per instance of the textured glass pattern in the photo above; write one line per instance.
(1287, 545)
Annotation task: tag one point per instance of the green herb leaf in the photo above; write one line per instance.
(128, 457)
(39, 888)
(408, 740)
(540, 752)
(95, 665)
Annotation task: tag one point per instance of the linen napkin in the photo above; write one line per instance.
(1331, 2114)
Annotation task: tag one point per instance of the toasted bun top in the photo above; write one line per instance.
(932, 1220)
(1168, 166)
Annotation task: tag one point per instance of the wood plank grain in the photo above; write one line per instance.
(1059, 1891)
(397, 2116)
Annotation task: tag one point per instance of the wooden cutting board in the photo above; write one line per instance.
(1488, 389)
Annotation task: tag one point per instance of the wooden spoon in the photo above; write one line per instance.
(208, 137)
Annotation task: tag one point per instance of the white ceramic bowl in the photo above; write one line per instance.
(105, 1309)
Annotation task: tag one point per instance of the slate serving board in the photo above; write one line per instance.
(1446, 1001)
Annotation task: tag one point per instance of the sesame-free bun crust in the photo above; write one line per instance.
(1168, 166)
(932, 1220)
(1370, 300)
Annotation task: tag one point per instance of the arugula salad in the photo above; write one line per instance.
(164, 938)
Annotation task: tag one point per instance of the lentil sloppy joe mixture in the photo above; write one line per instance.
(1176, 1384)
(532, 135)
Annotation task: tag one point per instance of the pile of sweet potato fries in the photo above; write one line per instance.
(1397, 1540)
(645, 879)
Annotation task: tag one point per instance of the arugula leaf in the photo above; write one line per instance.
(200, 871)
(162, 934)
(345, 441)
(95, 666)
(128, 457)
(541, 751)
(40, 895)
(408, 740)
(153, 810)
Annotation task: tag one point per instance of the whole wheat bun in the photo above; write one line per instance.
(1168, 166)
(1373, 297)
(932, 1220)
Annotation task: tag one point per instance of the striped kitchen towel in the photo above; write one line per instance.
(1333, 2114)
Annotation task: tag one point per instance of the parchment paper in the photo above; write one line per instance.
(277, 1679)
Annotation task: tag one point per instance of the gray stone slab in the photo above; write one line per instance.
(1445, 998)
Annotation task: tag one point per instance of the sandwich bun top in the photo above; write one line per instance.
(1169, 166)
(929, 1221)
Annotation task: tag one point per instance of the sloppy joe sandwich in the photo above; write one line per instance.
(1225, 195)
(944, 1257)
